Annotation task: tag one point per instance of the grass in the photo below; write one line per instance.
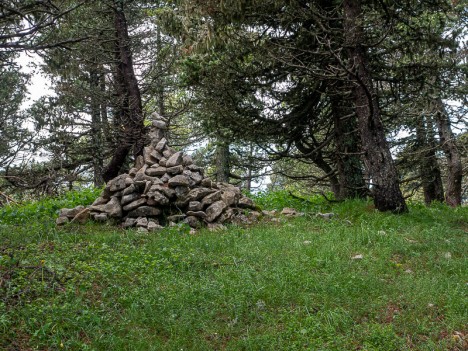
(289, 285)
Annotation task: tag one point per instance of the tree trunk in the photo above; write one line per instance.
(453, 193)
(223, 168)
(377, 158)
(429, 167)
(128, 94)
(96, 128)
(348, 160)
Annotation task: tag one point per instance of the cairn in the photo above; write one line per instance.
(164, 187)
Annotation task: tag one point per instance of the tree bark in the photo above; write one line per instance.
(96, 128)
(377, 157)
(429, 168)
(130, 109)
(453, 193)
(223, 168)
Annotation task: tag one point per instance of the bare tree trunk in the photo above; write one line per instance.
(128, 93)
(223, 168)
(454, 167)
(429, 167)
(378, 160)
(96, 128)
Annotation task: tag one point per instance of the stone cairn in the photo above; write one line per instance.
(164, 187)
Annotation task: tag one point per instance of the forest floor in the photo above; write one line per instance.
(361, 281)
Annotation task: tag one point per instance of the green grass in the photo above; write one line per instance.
(273, 286)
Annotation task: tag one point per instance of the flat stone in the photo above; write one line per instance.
(113, 208)
(229, 197)
(216, 227)
(81, 217)
(168, 192)
(142, 230)
(100, 201)
(147, 155)
(142, 222)
(129, 222)
(187, 160)
(162, 162)
(198, 214)
(128, 181)
(70, 213)
(62, 220)
(175, 169)
(206, 182)
(132, 171)
(176, 218)
(153, 226)
(158, 198)
(211, 198)
(288, 211)
(178, 180)
(156, 171)
(199, 193)
(131, 189)
(195, 168)
(195, 178)
(156, 135)
(139, 162)
(156, 155)
(245, 202)
(131, 206)
(215, 210)
(100, 217)
(144, 211)
(168, 152)
(148, 186)
(181, 191)
(193, 222)
(118, 183)
(195, 206)
(165, 178)
(129, 198)
(175, 160)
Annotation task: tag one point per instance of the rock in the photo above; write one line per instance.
(129, 198)
(99, 201)
(193, 222)
(192, 231)
(139, 162)
(199, 193)
(175, 170)
(100, 217)
(287, 211)
(176, 218)
(132, 172)
(148, 186)
(357, 257)
(198, 214)
(142, 230)
(130, 189)
(327, 216)
(195, 168)
(175, 160)
(82, 217)
(129, 222)
(132, 205)
(178, 180)
(70, 213)
(113, 208)
(142, 222)
(229, 197)
(144, 211)
(153, 226)
(211, 198)
(128, 181)
(195, 178)
(156, 156)
(160, 124)
(269, 213)
(206, 182)
(165, 178)
(163, 161)
(215, 210)
(62, 220)
(158, 198)
(195, 206)
(156, 135)
(181, 191)
(118, 183)
(187, 160)
(156, 171)
(168, 152)
(168, 192)
(245, 202)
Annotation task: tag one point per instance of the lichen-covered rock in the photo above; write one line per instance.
(82, 217)
(70, 213)
(215, 210)
(178, 180)
(62, 220)
(113, 208)
(132, 205)
(144, 211)
(175, 160)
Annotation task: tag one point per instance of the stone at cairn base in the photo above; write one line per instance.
(163, 187)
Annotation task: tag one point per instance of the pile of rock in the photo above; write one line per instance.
(163, 187)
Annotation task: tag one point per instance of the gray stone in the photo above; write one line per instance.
(327, 216)
(195, 206)
(195, 168)
(176, 218)
(70, 213)
(175, 169)
(229, 197)
(62, 220)
(245, 202)
(193, 222)
(158, 198)
(168, 152)
(113, 208)
(148, 186)
(175, 160)
(160, 124)
(142, 230)
(288, 211)
(147, 155)
(215, 210)
(196, 179)
(100, 217)
(198, 214)
(199, 193)
(139, 162)
(133, 171)
(129, 222)
(178, 180)
(206, 182)
(156, 155)
(162, 162)
(100, 201)
(128, 181)
(216, 227)
(142, 222)
(165, 178)
(156, 171)
(131, 206)
(153, 226)
(129, 198)
(209, 199)
(144, 211)
(181, 191)
(187, 160)
(131, 189)
(156, 135)
(82, 217)
(117, 183)
(168, 192)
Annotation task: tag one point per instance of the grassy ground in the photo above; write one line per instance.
(292, 285)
